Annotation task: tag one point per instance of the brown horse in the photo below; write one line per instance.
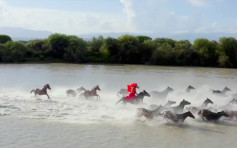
(42, 91)
(92, 92)
(177, 117)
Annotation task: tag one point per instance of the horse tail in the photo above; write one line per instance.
(120, 100)
(32, 90)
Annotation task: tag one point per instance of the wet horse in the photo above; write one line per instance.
(203, 106)
(139, 98)
(73, 93)
(209, 115)
(168, 104)
(92, 92)
(177, 117)
(42, 91)
(180, 107)
(122, 92)
(189, 88)
(233, 101)
(162, 94)
(149, 114)
(221, 92)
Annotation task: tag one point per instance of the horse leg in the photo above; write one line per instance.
(48, 97)
(98, 97)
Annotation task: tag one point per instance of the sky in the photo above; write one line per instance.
(117, 16)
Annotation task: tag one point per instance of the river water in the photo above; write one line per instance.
(28, 121)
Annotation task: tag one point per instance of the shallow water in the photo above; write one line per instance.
(27, 121)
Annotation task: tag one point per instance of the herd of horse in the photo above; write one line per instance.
(174, 113)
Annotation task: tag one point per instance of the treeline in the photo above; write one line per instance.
(126, 49)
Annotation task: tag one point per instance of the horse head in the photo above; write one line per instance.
(81, 89)
(226, 89)
(96, 87)
(47, 86)
(223, 114)
(233, 101)
(169, 89)
(146, 93)
(207, 101)
(190, 115)
(184, 102)
(189, 88)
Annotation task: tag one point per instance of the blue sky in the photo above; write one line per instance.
(106, 16)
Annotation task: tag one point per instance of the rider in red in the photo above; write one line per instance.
(132, 91)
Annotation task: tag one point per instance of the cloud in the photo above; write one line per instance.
(129, 12)
(198, 3)
(145, 16)
(71, 22)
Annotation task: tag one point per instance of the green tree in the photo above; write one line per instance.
(4, 38)
(110, 49)
(129, 49)
(207, 50)
(13, 52)
(228, 47)
(164, 55)
(147, 48)
(143, 38)
(76, 50)
(161, 41)
(38, 48)
(58, 44)
(95, 44)
(182, 45)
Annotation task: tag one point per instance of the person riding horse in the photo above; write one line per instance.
(132, 90)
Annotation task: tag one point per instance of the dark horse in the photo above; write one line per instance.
(42, 91)
(92, 92)
(209, 115)
(137, 100)
(177, 117)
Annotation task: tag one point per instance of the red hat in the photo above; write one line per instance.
(134, 85)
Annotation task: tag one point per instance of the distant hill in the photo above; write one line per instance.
(26, 34)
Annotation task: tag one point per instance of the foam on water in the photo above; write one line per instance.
(80, 110)
(16, 81)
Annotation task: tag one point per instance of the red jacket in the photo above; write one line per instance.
(132, 89)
